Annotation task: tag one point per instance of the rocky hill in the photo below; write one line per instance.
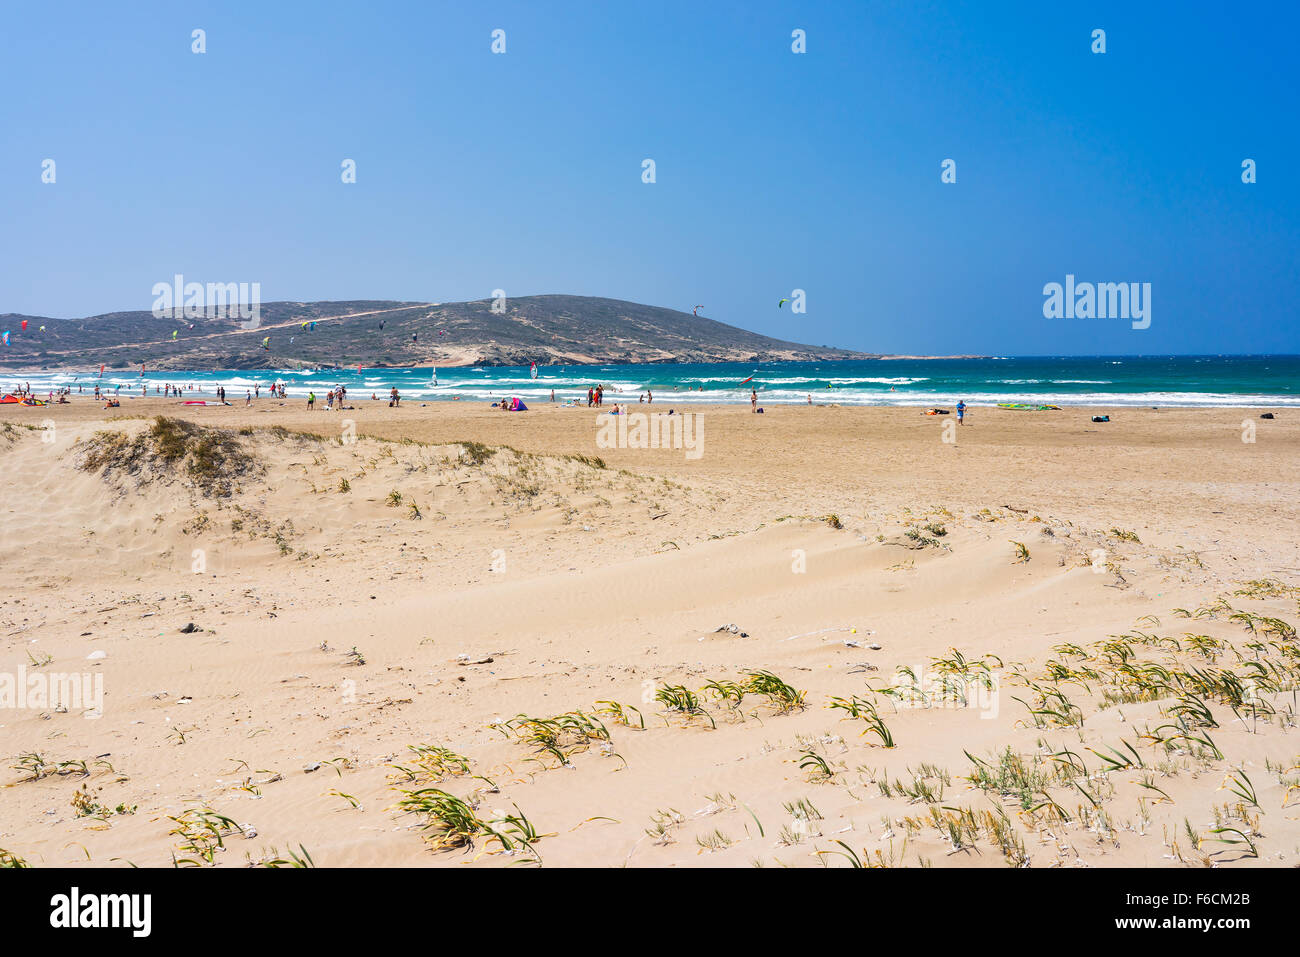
(553, 329)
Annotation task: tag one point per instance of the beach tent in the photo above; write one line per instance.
(517, 406)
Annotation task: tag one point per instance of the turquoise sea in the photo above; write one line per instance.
(1091, 380)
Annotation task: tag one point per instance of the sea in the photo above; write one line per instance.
(1137, 381)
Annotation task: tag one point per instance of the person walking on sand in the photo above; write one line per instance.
(753, 400)
(961, 410)
(311, 400)
(394, 398)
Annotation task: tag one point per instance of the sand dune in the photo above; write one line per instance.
(533, 579)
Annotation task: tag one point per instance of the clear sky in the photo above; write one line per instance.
(775, 170)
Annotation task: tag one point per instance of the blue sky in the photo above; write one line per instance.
(775, 170)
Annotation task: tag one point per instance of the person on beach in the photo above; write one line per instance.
(395, 399)
(311, 400)
(649, 397)
(591, 397)
(753, 400)
(961, 410)
(248, 398)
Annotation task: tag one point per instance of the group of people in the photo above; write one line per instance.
(337, 394)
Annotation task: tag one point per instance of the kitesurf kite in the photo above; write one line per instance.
(782, 303)
(696, 312)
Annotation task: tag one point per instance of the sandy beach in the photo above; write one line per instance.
(1098, 617)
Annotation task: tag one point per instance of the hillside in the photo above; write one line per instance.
(555, 329)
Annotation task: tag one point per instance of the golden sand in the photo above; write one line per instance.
(535, 582)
